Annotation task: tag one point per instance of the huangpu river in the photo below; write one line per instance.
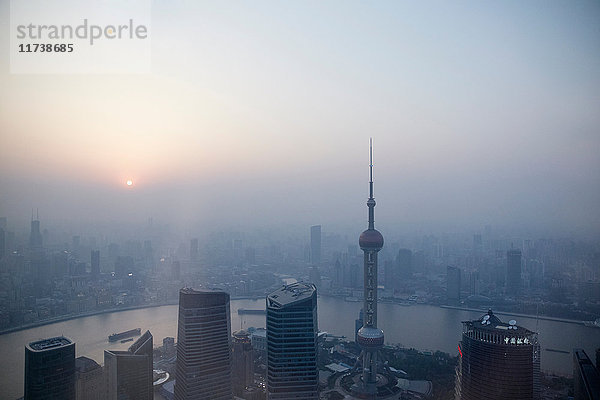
(423, 327)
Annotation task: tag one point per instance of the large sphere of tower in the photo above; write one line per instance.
(370, 337)
(371, 239)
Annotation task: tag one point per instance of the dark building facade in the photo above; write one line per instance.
(90, 383)
(242, 362)
(50, 369)
(497, 361)
(2, 243)
(129, 373)
(453, 285)
(95, 262)
(203, 369)
(586, 377)
(292, 327)
(404, 262)
(35, 236)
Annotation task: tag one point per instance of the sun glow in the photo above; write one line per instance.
(129, 182)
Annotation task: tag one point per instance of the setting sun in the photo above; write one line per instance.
(129, 182)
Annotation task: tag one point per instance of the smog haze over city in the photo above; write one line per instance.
(252, 127)
(259, 115)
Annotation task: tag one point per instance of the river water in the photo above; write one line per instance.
(420, 326)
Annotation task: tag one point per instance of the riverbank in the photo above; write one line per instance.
(69, 317)
(568, 321)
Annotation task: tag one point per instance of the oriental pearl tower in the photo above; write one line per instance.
(369, 337)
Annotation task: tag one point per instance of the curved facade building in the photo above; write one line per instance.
(50, 369)
(497, 361)
(203, 369)
(292, 371)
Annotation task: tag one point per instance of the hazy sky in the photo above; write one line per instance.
(260, 113)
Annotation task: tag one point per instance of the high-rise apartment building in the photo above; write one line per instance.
(453, 285)
(129, 373)
(315, 244)
(497, 361)
(95, 262)
(404, 262)
(203, 369)
(242, 374)
(2, 242)
(292, 327)
(50, 369)
(513, 271)
(90, 384)
(35, 236)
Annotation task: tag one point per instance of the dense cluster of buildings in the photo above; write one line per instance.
(497, 360)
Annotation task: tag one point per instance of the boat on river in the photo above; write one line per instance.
(592, 324)
(124, 335)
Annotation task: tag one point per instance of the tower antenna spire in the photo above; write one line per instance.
(370, 168)
(371, 201)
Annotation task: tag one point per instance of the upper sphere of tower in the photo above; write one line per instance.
(370, 239)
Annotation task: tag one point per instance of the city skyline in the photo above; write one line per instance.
(205, 180)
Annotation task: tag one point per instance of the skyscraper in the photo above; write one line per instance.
(95, 262)
(129, 373)
(513, 271)
(315, 244)
(358, 323)
(3, 222)
(453, 284)
(292, 327)
(370, 337)
(203, 369)
(404, 261)
(242, 362)
(90, 383)
(586, 377)
(497, 361)
(50, 369)
(35, 236)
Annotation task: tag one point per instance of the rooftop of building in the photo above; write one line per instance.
(50, 344)
(491, 323)
(140, 342)
(202, 298)
(241, 334)
(84, 364)
(261, 332)
(289, 294)
(188, 290)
